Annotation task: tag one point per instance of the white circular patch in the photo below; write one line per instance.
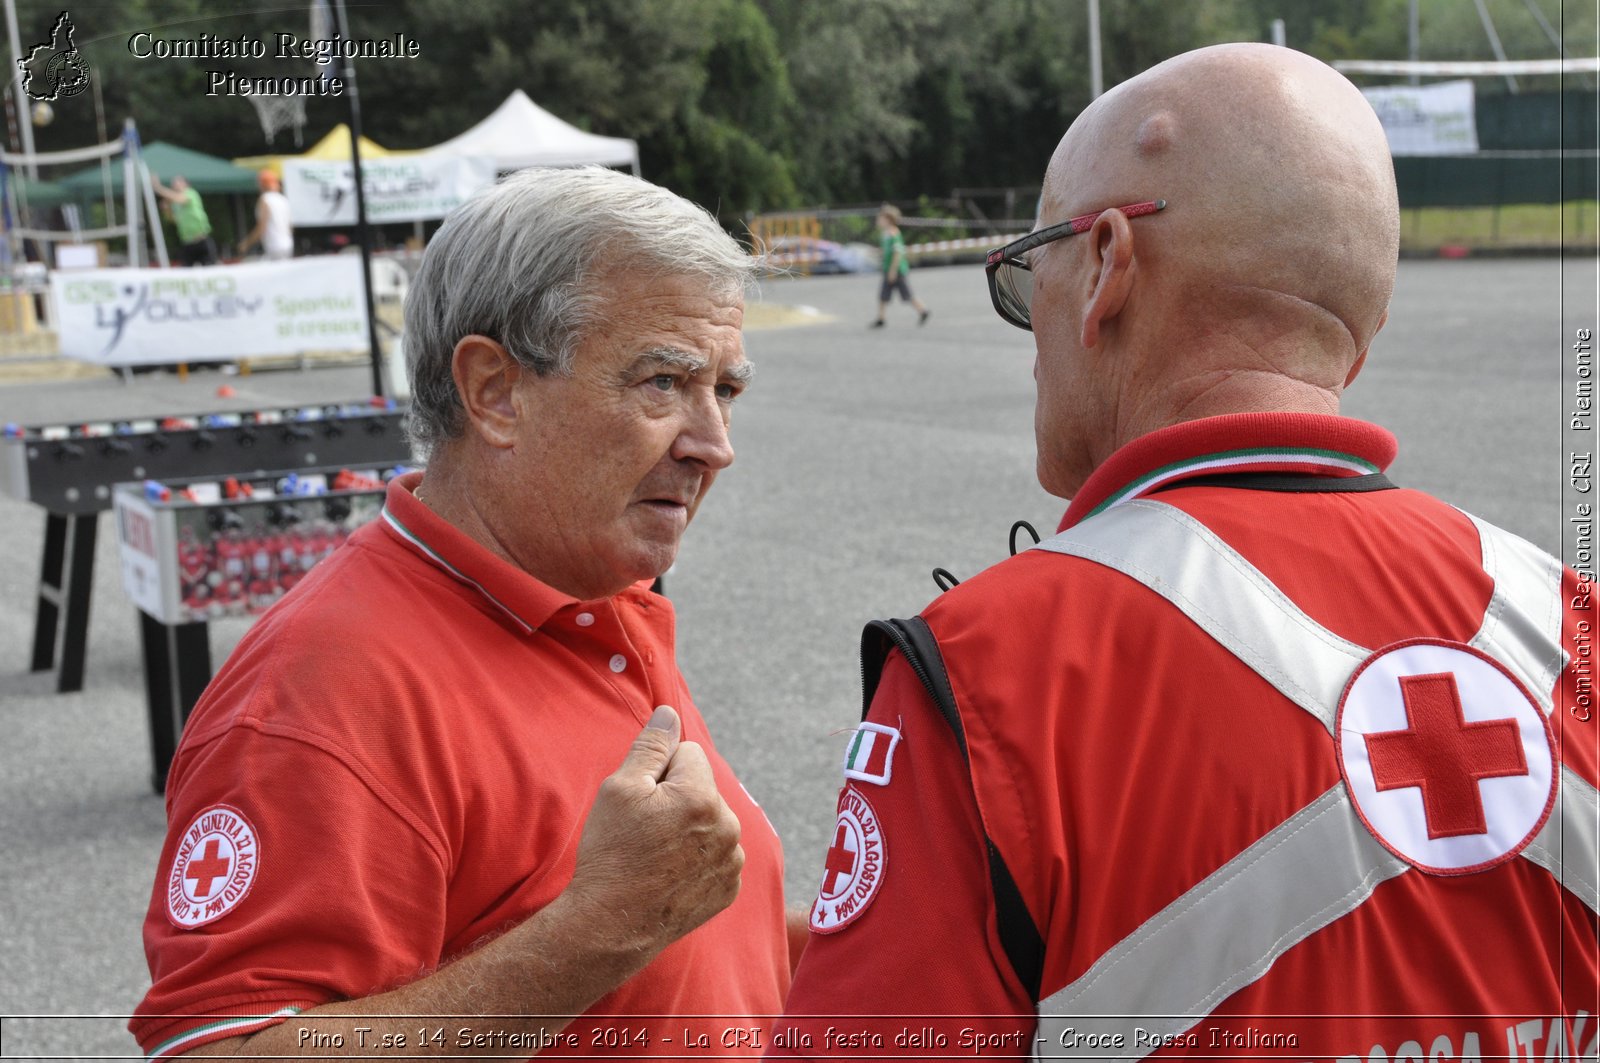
(218, 858)
(1450, 763)
(853, 869)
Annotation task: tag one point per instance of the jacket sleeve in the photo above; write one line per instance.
(324, 893)
(920, 958)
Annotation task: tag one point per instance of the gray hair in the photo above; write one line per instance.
(521, 262)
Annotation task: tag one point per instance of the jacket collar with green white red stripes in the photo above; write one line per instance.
(1303, 444)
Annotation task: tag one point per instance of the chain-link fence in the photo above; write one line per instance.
(1531, 185)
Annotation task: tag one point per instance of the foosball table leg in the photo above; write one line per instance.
(47, 619)
(177, 667)
(66, 578)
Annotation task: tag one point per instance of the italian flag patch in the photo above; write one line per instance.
(870, 756)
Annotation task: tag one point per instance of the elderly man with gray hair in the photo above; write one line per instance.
(401, 795)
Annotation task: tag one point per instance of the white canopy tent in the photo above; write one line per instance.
(520, 134)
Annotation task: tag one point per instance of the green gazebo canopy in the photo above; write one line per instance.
(207, 173)
(40, 195)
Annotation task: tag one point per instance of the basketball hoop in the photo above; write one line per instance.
(277, 113)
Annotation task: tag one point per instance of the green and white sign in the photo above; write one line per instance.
(122, 317)
(399, 188)
(1427, 119)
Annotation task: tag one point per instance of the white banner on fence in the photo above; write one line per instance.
(211, 313)
(1427, 119)
(399, 188)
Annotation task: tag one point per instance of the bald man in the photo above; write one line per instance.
(1261, 754)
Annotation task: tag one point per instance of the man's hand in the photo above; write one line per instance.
(659, 855)
(660, 849)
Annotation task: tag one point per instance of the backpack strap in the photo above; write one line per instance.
(1019, 935)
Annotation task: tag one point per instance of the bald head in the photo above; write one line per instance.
(1280, 189)
(1257, 289)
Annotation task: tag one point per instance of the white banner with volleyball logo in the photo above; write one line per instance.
(398, 188)
(1427, 119)
(120, 317)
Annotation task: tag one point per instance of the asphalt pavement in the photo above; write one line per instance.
(865, 458)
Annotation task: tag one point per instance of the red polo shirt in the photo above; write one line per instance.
(395, 763)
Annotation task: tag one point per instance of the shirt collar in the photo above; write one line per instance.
(521, 598)
(1305, 443)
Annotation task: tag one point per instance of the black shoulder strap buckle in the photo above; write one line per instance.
(1019, 935)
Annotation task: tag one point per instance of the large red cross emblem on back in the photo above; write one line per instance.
(1443, 755)
(1447, 758)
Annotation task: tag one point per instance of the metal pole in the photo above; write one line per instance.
(1096, 81)
(105, 160)
(1544, 24)
(158, 236)
(1280, 35)
(1414, 38)
(363, 230)
(24, 114)
(130, 200)
(1494, 41)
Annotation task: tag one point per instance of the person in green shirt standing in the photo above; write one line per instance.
(196, 247)
(895, 267)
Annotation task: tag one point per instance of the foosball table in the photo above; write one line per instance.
(197, 550)
(70, 471)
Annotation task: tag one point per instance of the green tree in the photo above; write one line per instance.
(852, 68)
(1454, 31)
(903, 97)
(728, 145)
(749, 105)
(991, 99)
(1449, 30)
(167, 98)
(700, 84)
(609, 66)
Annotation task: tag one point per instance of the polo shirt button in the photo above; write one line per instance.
(585, 619)
(618, 663)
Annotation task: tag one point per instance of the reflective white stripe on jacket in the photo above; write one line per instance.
(1321, 863)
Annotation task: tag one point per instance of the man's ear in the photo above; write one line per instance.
(1355, 370)
(486, 377)
(1361, 359)
(1112, 239)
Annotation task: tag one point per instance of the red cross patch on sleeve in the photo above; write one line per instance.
(853, 869)
(216, 863)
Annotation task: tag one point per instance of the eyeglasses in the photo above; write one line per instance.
(1010, 276)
